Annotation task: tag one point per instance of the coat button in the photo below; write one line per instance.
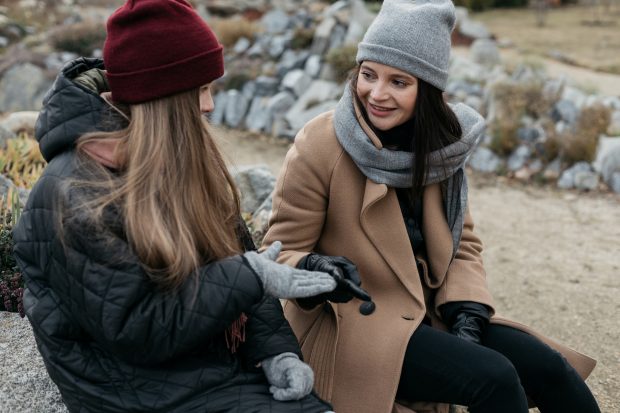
(367, 307)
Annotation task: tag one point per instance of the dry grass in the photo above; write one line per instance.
(229, 30)
(587, 36)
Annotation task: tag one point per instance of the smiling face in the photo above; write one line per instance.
(206, 100)
(387, 94)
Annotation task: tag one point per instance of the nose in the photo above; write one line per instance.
(206, 102)
(378, 91)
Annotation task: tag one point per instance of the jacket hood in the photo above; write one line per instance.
(69, 110)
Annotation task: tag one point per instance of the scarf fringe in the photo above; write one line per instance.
(235, 334)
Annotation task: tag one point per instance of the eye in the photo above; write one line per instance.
(399, 83)
(367, 75)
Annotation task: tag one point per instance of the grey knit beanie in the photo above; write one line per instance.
(413, 36)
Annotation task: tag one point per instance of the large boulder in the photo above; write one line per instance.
(22, 88)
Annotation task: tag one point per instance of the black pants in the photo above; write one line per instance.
(493, 377)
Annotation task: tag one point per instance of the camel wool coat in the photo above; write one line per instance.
(323, 203)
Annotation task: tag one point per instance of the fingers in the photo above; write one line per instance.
(273, 251)
(298, 385)
(356, 291)
(311, 283)
(349, 269)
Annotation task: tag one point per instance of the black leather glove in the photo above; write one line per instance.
(344, 272)
(466, 319)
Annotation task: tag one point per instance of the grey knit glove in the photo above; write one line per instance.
(289, 377)
(284, 281)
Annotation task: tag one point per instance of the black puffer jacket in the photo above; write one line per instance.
(110, 340)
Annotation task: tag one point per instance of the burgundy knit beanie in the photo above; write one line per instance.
(156, 48)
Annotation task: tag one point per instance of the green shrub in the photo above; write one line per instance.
(80, 38)
(342, 60)
(11, 281)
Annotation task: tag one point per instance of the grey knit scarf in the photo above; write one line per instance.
(393, 168)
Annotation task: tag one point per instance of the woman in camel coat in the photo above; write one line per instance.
(350, 187)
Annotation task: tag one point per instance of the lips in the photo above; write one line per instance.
(379, 111)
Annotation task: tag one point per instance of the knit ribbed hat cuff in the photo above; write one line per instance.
(403, 61)
(152, 83)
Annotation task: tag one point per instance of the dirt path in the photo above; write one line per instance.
(552, 258)
(604, 83)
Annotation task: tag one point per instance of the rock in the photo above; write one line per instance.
(607, 146)
(297, 81)
(485, 52)
(318, 91)
(258, 116)
(241, 45)
(25, 385)
(255, 183)
(528, 134)
(313, 66)
(266, 85)
(614, 124)
(236, 107)
(278, 106)
(586, 180)
(56, 60)
(553, 88)
(249, 89)
(5, 135)
(472, 29)
(610, 165)
(217, 116)
(322, 36)
(301, 118)
(484, 160)
(614, 182)
(359, 21)
(567, 180)
(569, 177)
(291, 59)
(337, 37)
(574, 95)
(20, 122)
(519, 157)
(276, 21)
(565, 110)
(278, 45)
(22, 88)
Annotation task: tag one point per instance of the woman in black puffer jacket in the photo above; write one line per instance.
(142, 288)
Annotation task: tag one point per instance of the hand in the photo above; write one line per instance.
(344, 272)
(466, 319)
(284, 281)
(289, 377)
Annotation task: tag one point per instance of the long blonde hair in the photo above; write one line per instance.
(179, 204)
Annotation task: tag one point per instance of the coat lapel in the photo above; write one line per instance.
(381, 220)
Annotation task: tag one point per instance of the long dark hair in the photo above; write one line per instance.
(433, 127)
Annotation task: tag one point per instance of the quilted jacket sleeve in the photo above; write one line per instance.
(268, 332)
(101, 284)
